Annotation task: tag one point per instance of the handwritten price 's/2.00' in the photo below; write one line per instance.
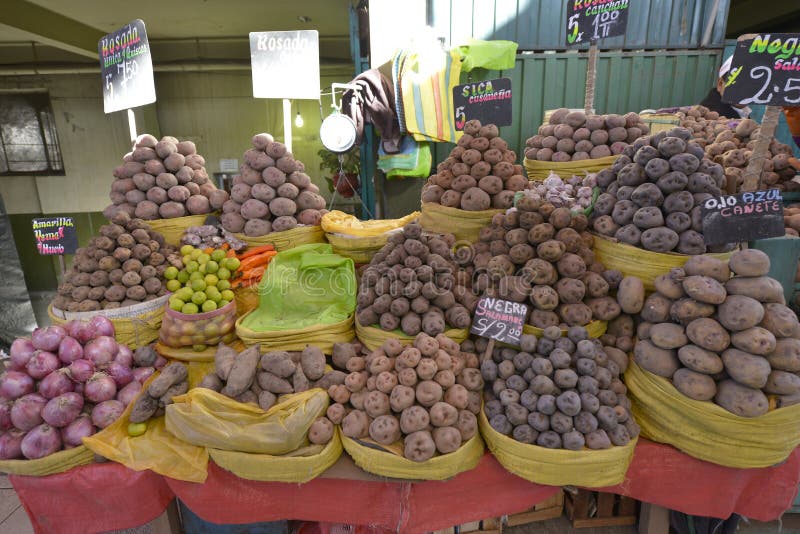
(483, 326)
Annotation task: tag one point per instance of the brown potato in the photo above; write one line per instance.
(741, 400)
(700, 360)
(708, 334)
(668, 335)
(630, 295)
(786, 356)
(704, 289)
(385, 429)
(747, 369)
(419, 446)
(658, 361)
(740, 312)
(782, 383)
(754, 340)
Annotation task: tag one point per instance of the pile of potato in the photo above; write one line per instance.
(121, 267)
(730, 143)
(572, 136)
(559, 392)
(413, 284)
(791, 220)
(542, 254)
(426, 394)
(653, 193)
(727, 339)
(163, 180)
(272, 193)
(479, 174)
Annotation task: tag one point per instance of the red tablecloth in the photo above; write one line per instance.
(108, 496)
(92, 498)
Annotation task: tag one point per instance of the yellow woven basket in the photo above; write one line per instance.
(539, 170)
(173, 229)
(464, 225)
(302, 235)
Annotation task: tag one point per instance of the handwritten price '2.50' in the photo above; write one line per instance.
(756, 73)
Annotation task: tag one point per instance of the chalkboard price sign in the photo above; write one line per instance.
(499, 319)
(285, 64)
(55, 235)
(488, 101)
(765, 70)
(126, 68)
(590, 20)
(743, 217)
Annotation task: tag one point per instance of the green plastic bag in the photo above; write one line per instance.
(490, 55)
(304, 286)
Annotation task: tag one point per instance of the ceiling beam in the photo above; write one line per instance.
(753, 14)
(51, 28)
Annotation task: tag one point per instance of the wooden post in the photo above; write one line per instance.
(62, 265)
(752, 175)
(132, 124)
(287, 124)
(488, 352)
(591, 75)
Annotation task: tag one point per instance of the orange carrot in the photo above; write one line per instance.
(208, 250)
(252, 251)
(230, 253)
(255, 261)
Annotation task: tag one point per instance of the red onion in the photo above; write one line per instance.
(101, 326)
(79, 388)
(141, 374)
(100, 387)
(27, 411)
(11, 444)
(80, 428)
(56, 383)
(62, 410)
(80, 330)
(124, 356)
(69, 350)
(101, 350)
(81, 370)
(121, 374)
(160, 362)
(42, 364)
(129, 393)
(22, 350)
(42, 441)
(48, 338)
(14, 384)
(107, 412)
(5, 414)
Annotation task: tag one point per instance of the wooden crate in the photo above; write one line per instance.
(595, 509)
(485, 526)
(548, 509)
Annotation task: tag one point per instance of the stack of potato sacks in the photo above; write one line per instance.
(426, 394)
(413, 284)
(542, 255)
(653, 193)
(479, 174)
(572, 136)
(727, 339)
(163, 180)
(559, 392)
(272, 193)
(731, 142)
(121, 267)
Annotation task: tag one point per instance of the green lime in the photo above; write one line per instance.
(218, 255)
(199, 347)
(212, 266)
(211, 280)
(213, 294)
(186, 259)
(223, 303)
(203, 258)
(202, 268)
(198, 285)
(176, 303)
(209, 305)
(192, 266)
(196, 253)
(173, 285)
(199, 297)
(171, 273)
(183, 276)
(137, 429)
(189, 308)
(186, 250)
(184, 293)
(232, 264)
(197, 275)
(223, 273)
(227, 295)
(223, 284)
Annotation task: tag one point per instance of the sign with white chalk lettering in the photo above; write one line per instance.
(765, 70)
(126, 68)
(590, 20)
(285, 64)
(499, 319)
(743, 217)
(55, 235)
(488, 101)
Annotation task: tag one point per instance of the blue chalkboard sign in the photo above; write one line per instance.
(743, 217)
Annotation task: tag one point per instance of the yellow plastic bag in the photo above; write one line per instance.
(246, 299)
(635, 261)
(539, 170)
(558, 467)
(707, 431)
(358, 249)
(390, 463)
(208, 419)
(338, 222)
(372, 337)
(301, 235)
(465, 225)
(595, 329)
(134, 326)
(298, 466)
(323, 336)
(189, 355)
(49, 465)
(173, 229)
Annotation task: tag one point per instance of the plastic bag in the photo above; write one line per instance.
(539, 170)
(187, 330)
(342, 223)
(490, 55)
(208, 419)
(558, 467)
(301, 235)
(464, 225)
(49, 465)
(305, 286)
(373, 337)
(322, 336)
